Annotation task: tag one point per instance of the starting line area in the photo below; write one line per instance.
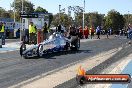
(8, 47)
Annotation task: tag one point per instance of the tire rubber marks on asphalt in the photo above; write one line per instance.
(59, 77)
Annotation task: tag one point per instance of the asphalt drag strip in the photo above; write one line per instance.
(118, 57)
(69, 73)
(15, 70)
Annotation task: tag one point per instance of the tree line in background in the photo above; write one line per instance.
(113, 19)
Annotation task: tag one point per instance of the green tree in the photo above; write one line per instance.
(128, 19)
(64, 19)
(95, 19)
(114, 20)
(91, 19)
(40, 9)
(5, 15)
(78, 19)
(2, 11)
(50, 19)
(27, 6)
(11, 13)
(55, 21)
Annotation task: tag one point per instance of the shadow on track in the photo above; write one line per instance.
(52, 55)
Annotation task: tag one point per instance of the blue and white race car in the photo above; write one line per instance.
(55, 43)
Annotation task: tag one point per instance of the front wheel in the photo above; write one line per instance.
(22, 49)
(40, 50)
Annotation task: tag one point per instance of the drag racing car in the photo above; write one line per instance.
(55, 43)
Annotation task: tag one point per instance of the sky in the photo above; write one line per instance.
(100, 6)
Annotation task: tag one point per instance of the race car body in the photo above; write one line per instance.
(55, 43)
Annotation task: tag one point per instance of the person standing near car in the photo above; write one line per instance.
(110, 31)
(98, 30)
(45, 31)
(72, 31)
(86, 32)
(2, 33)
(32, 33)
(74, 37)
(107, 33)
(92, 32)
